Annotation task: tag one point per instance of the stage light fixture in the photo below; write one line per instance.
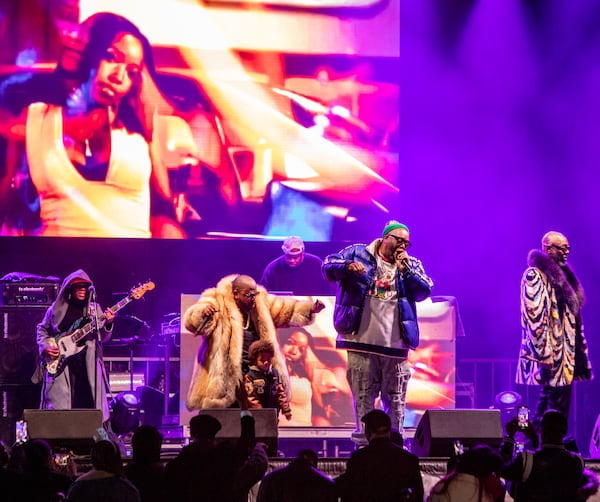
(125, 412)
(508, 400)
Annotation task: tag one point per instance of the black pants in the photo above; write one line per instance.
(553, 398)
(81, 392)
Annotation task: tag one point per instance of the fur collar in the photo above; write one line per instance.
(374, 246)
(562, 278)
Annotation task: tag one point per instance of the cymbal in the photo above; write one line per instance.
(127, 317)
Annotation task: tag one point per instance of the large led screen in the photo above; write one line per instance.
(248, 120)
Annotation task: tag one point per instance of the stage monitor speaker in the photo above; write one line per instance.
(265, 425)
(70, 429)
(18, 345)
(153, 405)
(439, 429)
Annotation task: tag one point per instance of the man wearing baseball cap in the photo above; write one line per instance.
(295, 271)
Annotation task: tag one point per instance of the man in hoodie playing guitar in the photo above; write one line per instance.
(80, 381)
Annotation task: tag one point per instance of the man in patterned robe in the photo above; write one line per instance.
(553, 348)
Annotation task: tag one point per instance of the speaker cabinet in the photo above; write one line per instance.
(70, 429)
(438, 429)
(265, 425)
(13, 400)
(18, 347)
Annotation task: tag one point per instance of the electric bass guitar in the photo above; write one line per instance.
(72, 342)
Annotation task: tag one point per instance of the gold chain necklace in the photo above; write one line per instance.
(247, 325)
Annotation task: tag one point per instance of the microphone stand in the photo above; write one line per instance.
(130, 342)
(97, 345)
(169, 331)
(167, 378)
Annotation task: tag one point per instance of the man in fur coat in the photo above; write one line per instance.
(553, 348)
(229, 317)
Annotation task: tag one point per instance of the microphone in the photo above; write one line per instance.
(203, 323)
(404, 261)
(406, 264)
(91, 288)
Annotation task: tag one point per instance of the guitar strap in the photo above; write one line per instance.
(72, 320)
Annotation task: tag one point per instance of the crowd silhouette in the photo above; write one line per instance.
(212, 469)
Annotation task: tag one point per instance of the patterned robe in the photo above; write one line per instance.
(553, 347)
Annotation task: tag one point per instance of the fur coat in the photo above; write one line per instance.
(218, 364)
(553, 347)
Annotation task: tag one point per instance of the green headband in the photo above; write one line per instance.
(393, 225)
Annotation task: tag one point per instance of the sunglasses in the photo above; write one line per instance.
(400, 241)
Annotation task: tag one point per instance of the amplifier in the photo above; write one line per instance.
(18, 347)
(24, 293)
(170, 328)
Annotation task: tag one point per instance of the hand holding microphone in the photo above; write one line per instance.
(207, 313)
(402, 261)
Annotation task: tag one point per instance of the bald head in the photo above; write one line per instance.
(552, 237)
(556, 245)
(244, 292)
(243, 282)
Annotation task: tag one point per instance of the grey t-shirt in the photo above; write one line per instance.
(379, 323)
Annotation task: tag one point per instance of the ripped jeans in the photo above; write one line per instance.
(371, 375)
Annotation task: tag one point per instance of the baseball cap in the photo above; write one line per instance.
(79, 283)
(293, 246)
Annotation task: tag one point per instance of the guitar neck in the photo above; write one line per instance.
(119, 305)
(81, 333)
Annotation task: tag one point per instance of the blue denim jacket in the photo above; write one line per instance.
(412, 286)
